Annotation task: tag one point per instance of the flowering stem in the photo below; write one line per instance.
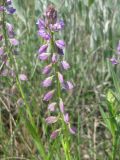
(65, 142)
(12, 61)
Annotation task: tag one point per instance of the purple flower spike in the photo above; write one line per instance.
(44, 34)
(54, 58)
(41, 24)
(55, 133)
(43, 56)
(60, 77)
(23, 77)
(65, 65)
(47, 69)
(66, 118)
(72, 130)
(51, 106)
(114, 60)
(14, 41)
(1, 51)
(43, 48)
(118, 48)
(48, 95)
(51, 119)
(11, 10)
(61, 105)
(47, 82)
(60, 44)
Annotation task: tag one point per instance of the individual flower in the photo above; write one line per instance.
(51, 119)
(23, 77)
(65, 65)
(57, 26)
(51, 106)
(118, 48)
(43, 48)
(60, 44)
(1, 51)
(10, 30)
(43, 56)
(68, 85)
(47, 82)
(44, 34)
(61, 105)
(55, 133)
(1, 37)
(41, 24)
(8, 2)
(60, 77)
(114, 60)
(66, 118)
(54, 58)
(51, 14)
(14, 41)
(11, 10)
(47, 69)
(72, 130)
(1, 8)
(48, 95)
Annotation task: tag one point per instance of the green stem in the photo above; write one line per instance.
(65, 141)
(115, 140)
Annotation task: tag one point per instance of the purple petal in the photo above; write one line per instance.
(41, 23)
(43, 48)
(60, 77)
(66, 118)
(1, 8)
(1, 51)
(47, 69)
(60, 44)
(10, 30)
(114, 60)
(118, 48)
(57, 26)
(43, 56)
(54, 58)
(48, 95)
(68, 85)
(47, 82)
(23, 77)
(14, 41)
(61, 105)
(65, 65)
(44, 34)
(9, 2)
(51, 119)
(11, 10)
(72, 130)
(51, 106)
(1, 37)
(55, 133)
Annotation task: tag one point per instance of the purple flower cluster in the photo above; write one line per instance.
(7, 40)
(52, 52)
(115, 60)
(8, 7)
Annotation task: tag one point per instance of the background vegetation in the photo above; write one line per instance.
(91, 34)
